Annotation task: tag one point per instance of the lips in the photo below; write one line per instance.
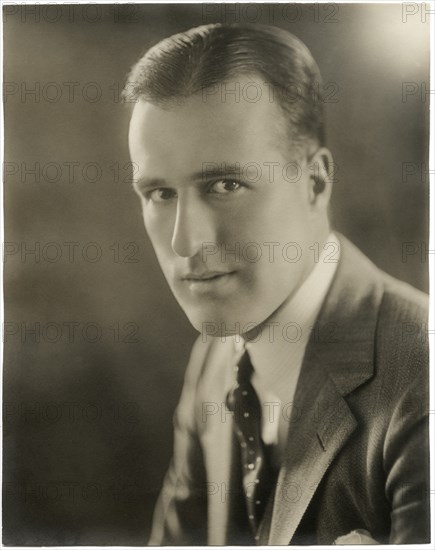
(206, 276)
(210, 283)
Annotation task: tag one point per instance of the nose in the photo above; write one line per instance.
(193, 226)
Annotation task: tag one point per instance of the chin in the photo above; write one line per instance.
(211, 323)
(215, 322)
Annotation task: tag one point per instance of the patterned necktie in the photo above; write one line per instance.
(258, 478)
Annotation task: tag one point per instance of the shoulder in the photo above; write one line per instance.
(397, 301)
(403, 302)
(403, 316)
(399, 326)
(402, 335)
(390, 316)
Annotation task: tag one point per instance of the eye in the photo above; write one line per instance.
(222, 187)
(161, 194)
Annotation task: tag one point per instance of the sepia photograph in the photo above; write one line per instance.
(217, 258)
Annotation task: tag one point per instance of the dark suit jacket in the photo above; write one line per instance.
(357, 449)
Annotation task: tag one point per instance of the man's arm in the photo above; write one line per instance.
(180, 516)
(406, 462)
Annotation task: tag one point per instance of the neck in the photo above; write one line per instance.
(321, 237)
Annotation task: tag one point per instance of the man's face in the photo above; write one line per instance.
(227, 211)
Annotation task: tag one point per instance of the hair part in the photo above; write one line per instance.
(190, 62)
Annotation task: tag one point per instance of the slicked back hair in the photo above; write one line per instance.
(207, 56)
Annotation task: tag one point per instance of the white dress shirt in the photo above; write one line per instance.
(278, 349)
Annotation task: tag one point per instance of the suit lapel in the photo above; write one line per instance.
(315, 437)
(338, 359)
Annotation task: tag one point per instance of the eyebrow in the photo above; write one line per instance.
(214, 172)
(145, 183)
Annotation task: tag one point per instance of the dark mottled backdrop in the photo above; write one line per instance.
(89, 395)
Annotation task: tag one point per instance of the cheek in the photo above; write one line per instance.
(276, 223)
(159, 228)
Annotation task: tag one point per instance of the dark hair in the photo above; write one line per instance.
(200, 58)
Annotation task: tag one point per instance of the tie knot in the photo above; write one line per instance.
(244, 369)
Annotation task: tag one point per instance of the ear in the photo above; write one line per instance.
(320, 165)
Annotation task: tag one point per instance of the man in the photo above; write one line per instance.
(303, 417)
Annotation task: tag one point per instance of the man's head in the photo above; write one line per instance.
(227, 133)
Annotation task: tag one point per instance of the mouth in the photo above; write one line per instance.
(206, 276)
(210, 280)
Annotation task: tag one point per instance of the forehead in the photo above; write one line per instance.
(237, 118)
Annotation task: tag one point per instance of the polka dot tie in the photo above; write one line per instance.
(243, 401)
